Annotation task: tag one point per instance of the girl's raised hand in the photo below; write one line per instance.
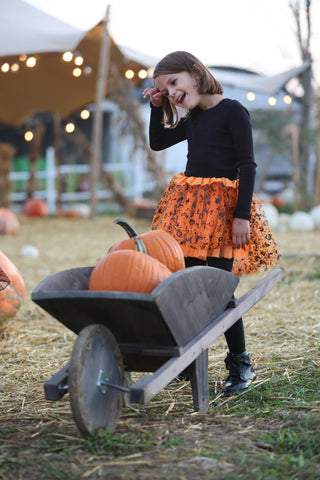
(155, 96)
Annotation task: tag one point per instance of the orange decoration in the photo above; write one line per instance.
(9, 223)
(13, 295)
(159, 245)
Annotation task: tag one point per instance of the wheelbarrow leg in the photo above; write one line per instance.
(198, 371)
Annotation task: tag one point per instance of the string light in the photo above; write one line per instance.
(31, 62)
(287, 99)
(129, 74)
(78, 60)
(85, 114)
(28, 136)
(272, 101)
(70, 127)
(76, 72)
(22, 57)
(251, 96)
(67, 56)
(142, 74)
(15, 67)
(5, 67)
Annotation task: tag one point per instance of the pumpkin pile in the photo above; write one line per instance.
(139, 263)
(13, 293)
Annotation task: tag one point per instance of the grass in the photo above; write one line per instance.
(279, 436)
(270, 432)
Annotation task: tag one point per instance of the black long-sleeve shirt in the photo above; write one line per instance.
(219, 145)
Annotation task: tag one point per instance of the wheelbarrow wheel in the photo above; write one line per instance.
(95, 358)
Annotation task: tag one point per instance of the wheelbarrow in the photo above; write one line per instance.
(161, 334)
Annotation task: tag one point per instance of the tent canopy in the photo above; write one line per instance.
(270, 85)
(31, 26)
(51, 84)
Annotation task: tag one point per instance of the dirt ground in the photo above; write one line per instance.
(285, 325)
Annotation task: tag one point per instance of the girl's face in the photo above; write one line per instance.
(181, 89)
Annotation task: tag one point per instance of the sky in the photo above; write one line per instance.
(253, 34)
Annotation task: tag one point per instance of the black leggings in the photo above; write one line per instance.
(235, 335)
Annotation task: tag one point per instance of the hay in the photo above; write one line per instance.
(34, 346)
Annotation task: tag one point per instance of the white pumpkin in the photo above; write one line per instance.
(81, 208)
(301, 222)
(29, 251)
(315, 214)
(284, 222)
(272, 215)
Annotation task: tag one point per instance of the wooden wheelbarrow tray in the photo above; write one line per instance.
(163, 332)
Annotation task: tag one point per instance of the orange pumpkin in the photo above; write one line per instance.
(128, 271)
(159, 245)
(278, 201)
(9, 223)
(35, 207)
(13, 295)
(72, 214)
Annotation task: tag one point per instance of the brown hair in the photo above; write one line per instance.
(180, 61)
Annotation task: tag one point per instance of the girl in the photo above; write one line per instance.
(210, 208)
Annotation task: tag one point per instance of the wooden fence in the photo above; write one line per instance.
(135, 178)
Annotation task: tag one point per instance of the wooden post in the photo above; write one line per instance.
(95, 160)
(35, 153)
(7, 153)
(56, 144)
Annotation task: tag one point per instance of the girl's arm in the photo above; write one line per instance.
(241, 131)
(161, 137)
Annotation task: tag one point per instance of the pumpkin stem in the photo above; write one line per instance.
(140, 246)
(127, 227)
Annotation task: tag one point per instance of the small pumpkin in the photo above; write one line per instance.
(128, 271)
(278, 201)
(12, 296)
(72, 213)
(9, 223)
(35, 207)
(159, 244)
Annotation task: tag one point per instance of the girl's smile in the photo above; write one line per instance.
(180, 88)
(182, 91)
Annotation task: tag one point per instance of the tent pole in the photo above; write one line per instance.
(57, 154)
(96, 146)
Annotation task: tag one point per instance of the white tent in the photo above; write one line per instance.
(270, 85)
(35, 26)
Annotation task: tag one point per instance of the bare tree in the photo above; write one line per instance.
(301, 10)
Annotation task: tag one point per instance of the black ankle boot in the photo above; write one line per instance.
(241, 373)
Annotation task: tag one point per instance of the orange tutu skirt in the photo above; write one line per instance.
(198, 213)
